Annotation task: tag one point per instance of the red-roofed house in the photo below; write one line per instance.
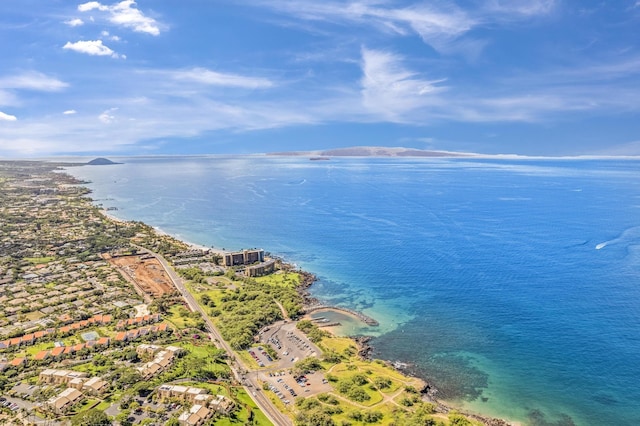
(28, 339)
(18, 362)
(42, 355)
(15, 341)
(106, 319)
(104, 341)
(56, 352)
(121, 337)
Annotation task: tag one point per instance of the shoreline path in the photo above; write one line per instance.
(237, 368)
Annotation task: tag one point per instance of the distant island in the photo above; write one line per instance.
(373, 151)
(101, 162)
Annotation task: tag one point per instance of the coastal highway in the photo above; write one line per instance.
(250, 381)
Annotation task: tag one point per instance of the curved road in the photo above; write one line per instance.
(250, 382)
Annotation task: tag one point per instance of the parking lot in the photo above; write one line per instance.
(290, 343)
(287, 387)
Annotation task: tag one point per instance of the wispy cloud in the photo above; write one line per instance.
(70, 112)
(435, 24)
(125, 14)
(439, 24)
(91, 47)
(523, 8)
(7, 117)
(214, 78)
(391, 90)
(107, 116)
(32, 81)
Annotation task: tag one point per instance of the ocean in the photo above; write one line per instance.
(512, 285)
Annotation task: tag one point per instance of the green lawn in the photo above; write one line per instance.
(289, 279)
(259, 417)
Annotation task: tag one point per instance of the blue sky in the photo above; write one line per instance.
(533, 77)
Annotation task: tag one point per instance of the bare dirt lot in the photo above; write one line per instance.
(146, 273)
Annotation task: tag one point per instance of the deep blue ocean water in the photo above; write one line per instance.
(512, 285)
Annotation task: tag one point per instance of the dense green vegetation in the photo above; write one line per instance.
(243, 311)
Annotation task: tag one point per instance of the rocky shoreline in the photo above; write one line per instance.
(365, 350)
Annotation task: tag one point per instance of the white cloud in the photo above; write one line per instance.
(125, 14)
(214, 78)
(391, 90)
(32, 81)
(107, 116)
(434, 24)
(85, 7)
(106, 34)
(91, 47)
(524, 8)
(70, 112)
(7, 117)
(74, 22)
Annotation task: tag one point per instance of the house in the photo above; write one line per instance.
(221, 404)
(18, 362)
(28, 339)
(42, 355)
(95, 386)
(58, 377)
(64, 401)
(103, 341)
(146, 349)
(182, 393)
(196, 416)
(57, 352)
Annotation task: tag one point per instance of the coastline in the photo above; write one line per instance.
(312, 304)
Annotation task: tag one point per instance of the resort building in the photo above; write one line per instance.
(245, 257)
(264, 268)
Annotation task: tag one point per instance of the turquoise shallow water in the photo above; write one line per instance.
(514, 286)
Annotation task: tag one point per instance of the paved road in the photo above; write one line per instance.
(250, 382)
